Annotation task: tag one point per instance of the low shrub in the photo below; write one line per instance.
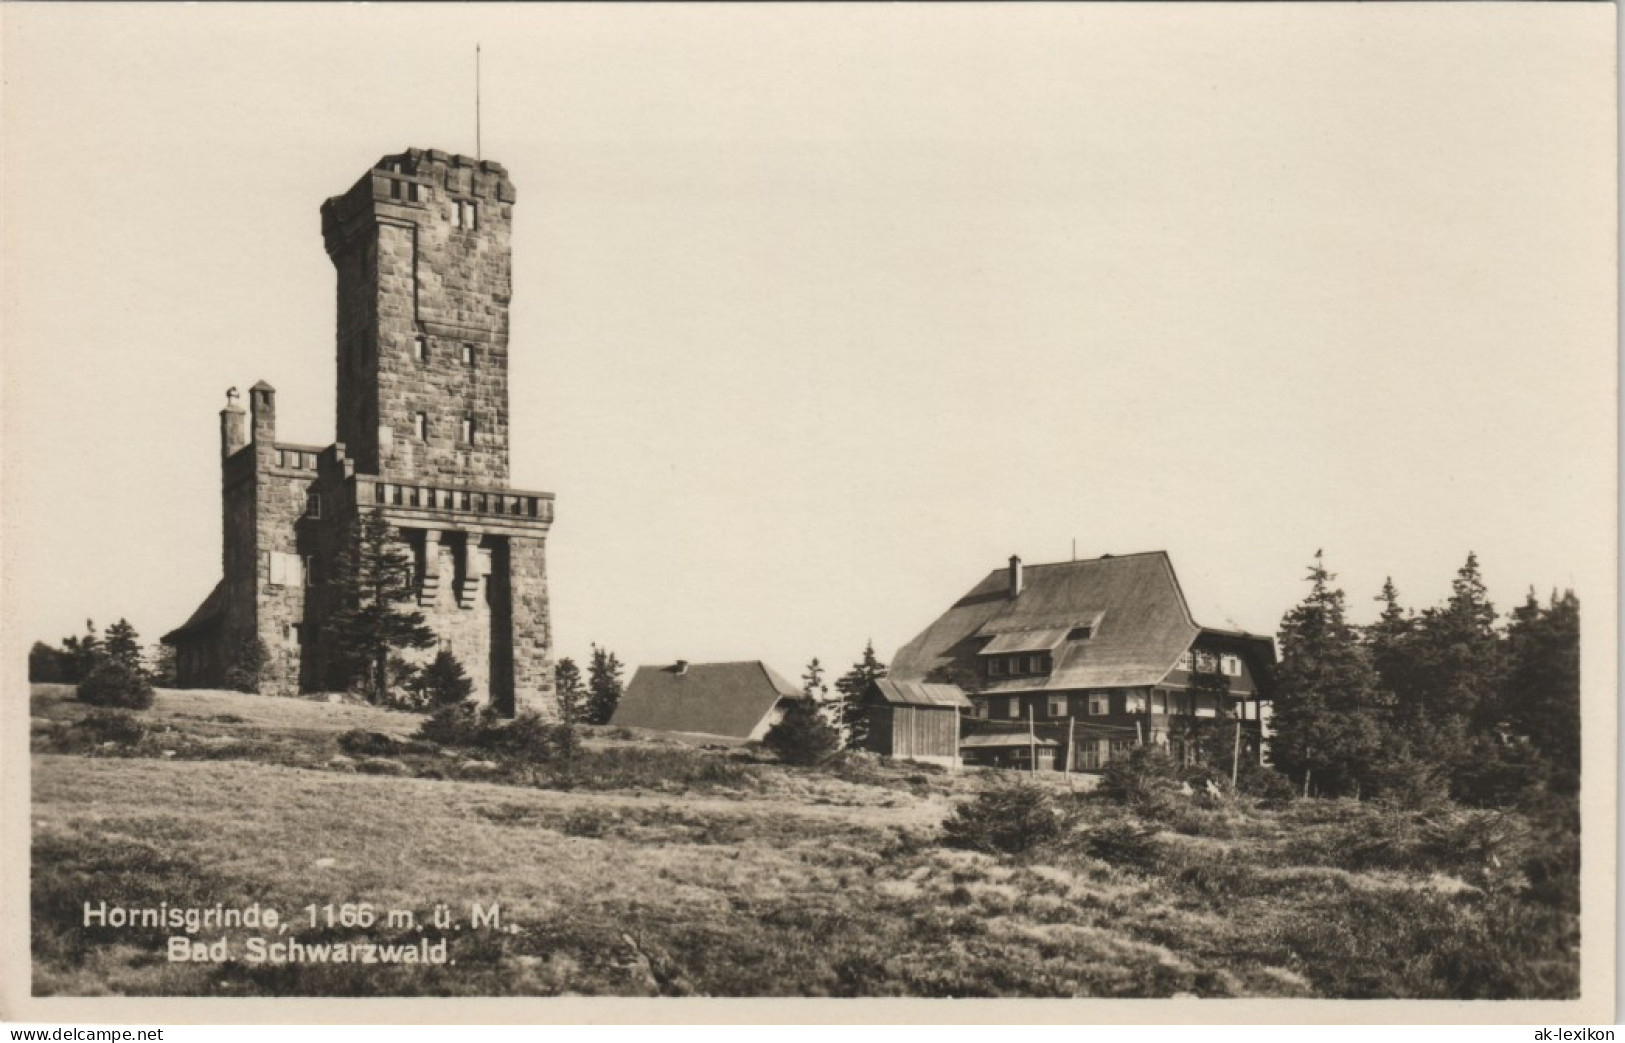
(1255, 780)
(1423, 945)
(1486, 848)
(1010, 818)
(1124, 843)
(454, 725)
(587, 822)
(1145, 774)
(666, 769)
(360, 743)
(381, 766)
(1412, 783)
(101, 726)
(529, 737)
(117, 684)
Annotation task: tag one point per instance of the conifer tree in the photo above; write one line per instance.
(1389, 639)
(802, 735)
(369, 617)
(817, 694)
(121, 644)
(1326, 718)
(603, 686)
(567, 689)
(83, 653)
(1459, 668)
(851, 688)
(48, 664)
(246, 661)
(443, 682)
(812, 682)
(162, 658)
(1542, 690)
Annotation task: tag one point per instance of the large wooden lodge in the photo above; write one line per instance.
(1082, 660)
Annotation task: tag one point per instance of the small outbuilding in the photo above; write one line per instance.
(726, 700)
(915, 721)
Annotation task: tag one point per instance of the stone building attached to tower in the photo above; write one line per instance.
(422, 249)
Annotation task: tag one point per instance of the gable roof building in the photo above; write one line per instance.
(732, 700)
(1107, 644)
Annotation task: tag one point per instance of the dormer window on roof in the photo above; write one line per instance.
(1037, 664)
(1025, 641)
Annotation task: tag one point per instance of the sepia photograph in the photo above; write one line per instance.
(597, 505)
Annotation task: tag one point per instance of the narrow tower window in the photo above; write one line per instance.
(465, 214)
(420, 426)
(468, 354)
(313, 505)
(468, 430)
(420, 347)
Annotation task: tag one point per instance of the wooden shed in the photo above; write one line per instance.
(915, 721)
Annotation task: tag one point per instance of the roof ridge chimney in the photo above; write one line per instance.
(1015, 576)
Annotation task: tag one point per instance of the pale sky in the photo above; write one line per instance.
(822, 312)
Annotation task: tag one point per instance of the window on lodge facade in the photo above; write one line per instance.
(1025, 665)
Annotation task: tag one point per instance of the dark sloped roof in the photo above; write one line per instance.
(916, 693)
(707, 698)
(208, 612)
(1140, 619)
(1002, 739)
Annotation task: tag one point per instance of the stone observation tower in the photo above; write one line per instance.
(421, 245)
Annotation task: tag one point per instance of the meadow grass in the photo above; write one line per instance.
(653, 868)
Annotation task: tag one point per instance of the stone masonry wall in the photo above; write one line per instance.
(462, 623)
(357, 402)
(282, 476)
(422, 249)
(531, 630)
(239, 543)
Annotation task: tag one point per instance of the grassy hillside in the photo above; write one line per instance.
(652, 868)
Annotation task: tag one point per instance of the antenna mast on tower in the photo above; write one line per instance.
(477, 152)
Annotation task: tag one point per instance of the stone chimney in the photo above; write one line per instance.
(262, 412)
(1015, 577)
(233, 426)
